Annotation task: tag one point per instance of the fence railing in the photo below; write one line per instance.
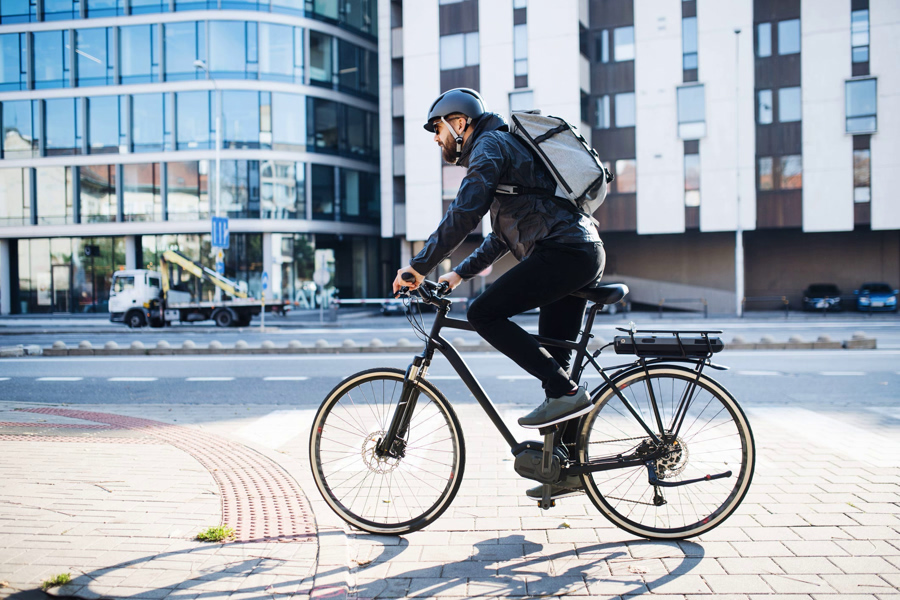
(781, 299)
(701, 301)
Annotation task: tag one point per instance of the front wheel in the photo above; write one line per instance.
(714, 438)
(383, 494)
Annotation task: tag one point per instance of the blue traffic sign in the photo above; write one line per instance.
(220, 232)
(265, 280)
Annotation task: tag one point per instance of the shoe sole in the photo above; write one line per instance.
(578, 413)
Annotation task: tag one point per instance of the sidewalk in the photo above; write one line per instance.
(115, 494)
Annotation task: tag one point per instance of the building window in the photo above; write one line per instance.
(139, 52)
(862, 175)
(187, 190)
(60, 10)
(282, 190)
(63, 126)
(689, 43)
(521, 101)
(95, 56)
(789, 37)
(13, 61)
(766, 175)
(54, 195)
(142, 7)
(764, 107)
(359, 196)
(321, 53)
(98, 193)
(192, 117)
(459, 50)
(859, 35)
(692, 180)
(520, 49)
(105, 8)
(140, 189)
(22, 11)
(357, 69)
(288, 123)
(691, 112)
(185, 43)
(240, 119)
(51, 59)
(240, 188)
(625, 110)
(15, 197)
(322, 192)
(789, 105)
(861, 96)
(790, 175)
(20, 130)
(233, 49)
(623, 43)
(626, 176)
(147, 118)
(103, 124)
(603, 117)
(602, 50)
(764, 40)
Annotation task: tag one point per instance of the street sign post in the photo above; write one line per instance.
(265, 286)
(220, 262)
(220, 237)
(321, 277)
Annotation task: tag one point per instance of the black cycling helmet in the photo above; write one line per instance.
(456, 101)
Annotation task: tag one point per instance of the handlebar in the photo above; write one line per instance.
(428, 290)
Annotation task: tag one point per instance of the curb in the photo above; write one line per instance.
(859, 341)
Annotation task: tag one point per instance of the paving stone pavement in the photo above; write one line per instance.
(818, 522)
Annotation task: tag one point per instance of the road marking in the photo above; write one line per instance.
(514, 377)
(760, 373)
(842, 373)
(285, 378)
(210, 379)
(60, 378)
(132, 379)
(4, 378)
(277, 428)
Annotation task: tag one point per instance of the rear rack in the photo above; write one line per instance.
(703, 346)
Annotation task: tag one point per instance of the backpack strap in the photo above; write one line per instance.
(518, 190)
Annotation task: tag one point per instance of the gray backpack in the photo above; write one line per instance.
(580, 177)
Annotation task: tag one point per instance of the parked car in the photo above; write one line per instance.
(822, 296)
(876, 296)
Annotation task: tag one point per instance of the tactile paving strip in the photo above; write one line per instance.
(11, 437)
(260, 500)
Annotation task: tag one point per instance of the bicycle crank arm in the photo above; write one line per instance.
(653, 479)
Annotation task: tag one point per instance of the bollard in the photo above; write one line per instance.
(215, 345)
(348, 343)
(376, 343)
(294, 344)
(59, 345)
(268, 345)
(111, 346)
(85, 345)
(241, 345)
(188, 345)
(137, 345)
(320, 343)
(163, 345)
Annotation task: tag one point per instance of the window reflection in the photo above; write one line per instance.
(766, 175)
(240, 119)
(320, 56)
(103, 124)
(764, 107)
(60, 10)
(322, 192)
(51, 59)
(359, 196)
(282, 191)
(98, 193)
(789, 37)
(357, 69)
(240, 188)
(13, 61)
(18, 11)
(625, 112)
(142, 7)
(186, 184)
(192, 115)
(861, 106)
(95, 56)
(105, 8)
(289, 122)
(626, 177)
(15, 197)
(140, 191)
(195, 4)
(147, 122)
(54, 195)
(19, 140)
(323, 124)
(276, 52)
(791, 173)
(228, 48)
(63, 126)
(185, 43)
(789, 104)
(140, 53)
(764, 40)
(623, 43)
(288, 6)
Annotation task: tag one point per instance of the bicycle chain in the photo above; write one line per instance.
(627, 500)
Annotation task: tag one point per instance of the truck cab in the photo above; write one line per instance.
(130, 292)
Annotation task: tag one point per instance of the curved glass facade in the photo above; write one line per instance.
(299, 133)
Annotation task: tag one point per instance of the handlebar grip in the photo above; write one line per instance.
(408, 277)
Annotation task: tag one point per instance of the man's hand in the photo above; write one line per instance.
(399, 283)
(452, 278)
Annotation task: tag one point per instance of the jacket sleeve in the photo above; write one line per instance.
(472, 202)
(491, 250)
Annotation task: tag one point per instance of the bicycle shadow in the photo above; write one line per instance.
(513, 566)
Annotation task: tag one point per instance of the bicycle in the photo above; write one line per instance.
(666, 452)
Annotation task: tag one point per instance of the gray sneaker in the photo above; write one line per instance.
(557, 410)
(570, 486)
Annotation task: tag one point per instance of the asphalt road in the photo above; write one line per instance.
(362, 327)
(837, 380)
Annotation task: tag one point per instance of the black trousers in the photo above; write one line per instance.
(543, 280)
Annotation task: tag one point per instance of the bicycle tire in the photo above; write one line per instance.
(412, 491)
(625, 497)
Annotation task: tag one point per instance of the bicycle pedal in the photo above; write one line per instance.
(541, 505)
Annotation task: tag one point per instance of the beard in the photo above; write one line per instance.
(448, 153)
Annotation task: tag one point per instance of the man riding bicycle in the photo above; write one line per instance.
(559, 249)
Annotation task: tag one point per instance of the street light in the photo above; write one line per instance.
(199, 64)
(738, 229)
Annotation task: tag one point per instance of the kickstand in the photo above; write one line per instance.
(546, 501)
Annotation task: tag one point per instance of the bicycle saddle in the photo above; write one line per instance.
(603, 294)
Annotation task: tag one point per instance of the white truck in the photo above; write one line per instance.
(141, 297)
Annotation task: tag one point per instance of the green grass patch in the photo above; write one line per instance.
(61, 579)
(216, 534)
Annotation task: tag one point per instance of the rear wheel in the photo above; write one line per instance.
(381, 494)
(714, 438)
(224, 318)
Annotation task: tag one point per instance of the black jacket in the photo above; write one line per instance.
(494, 156)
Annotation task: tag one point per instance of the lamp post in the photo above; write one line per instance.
(199, 64)
(738, 230)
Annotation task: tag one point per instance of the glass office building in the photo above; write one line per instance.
(107, 155)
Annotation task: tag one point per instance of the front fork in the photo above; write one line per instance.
(393, 444)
